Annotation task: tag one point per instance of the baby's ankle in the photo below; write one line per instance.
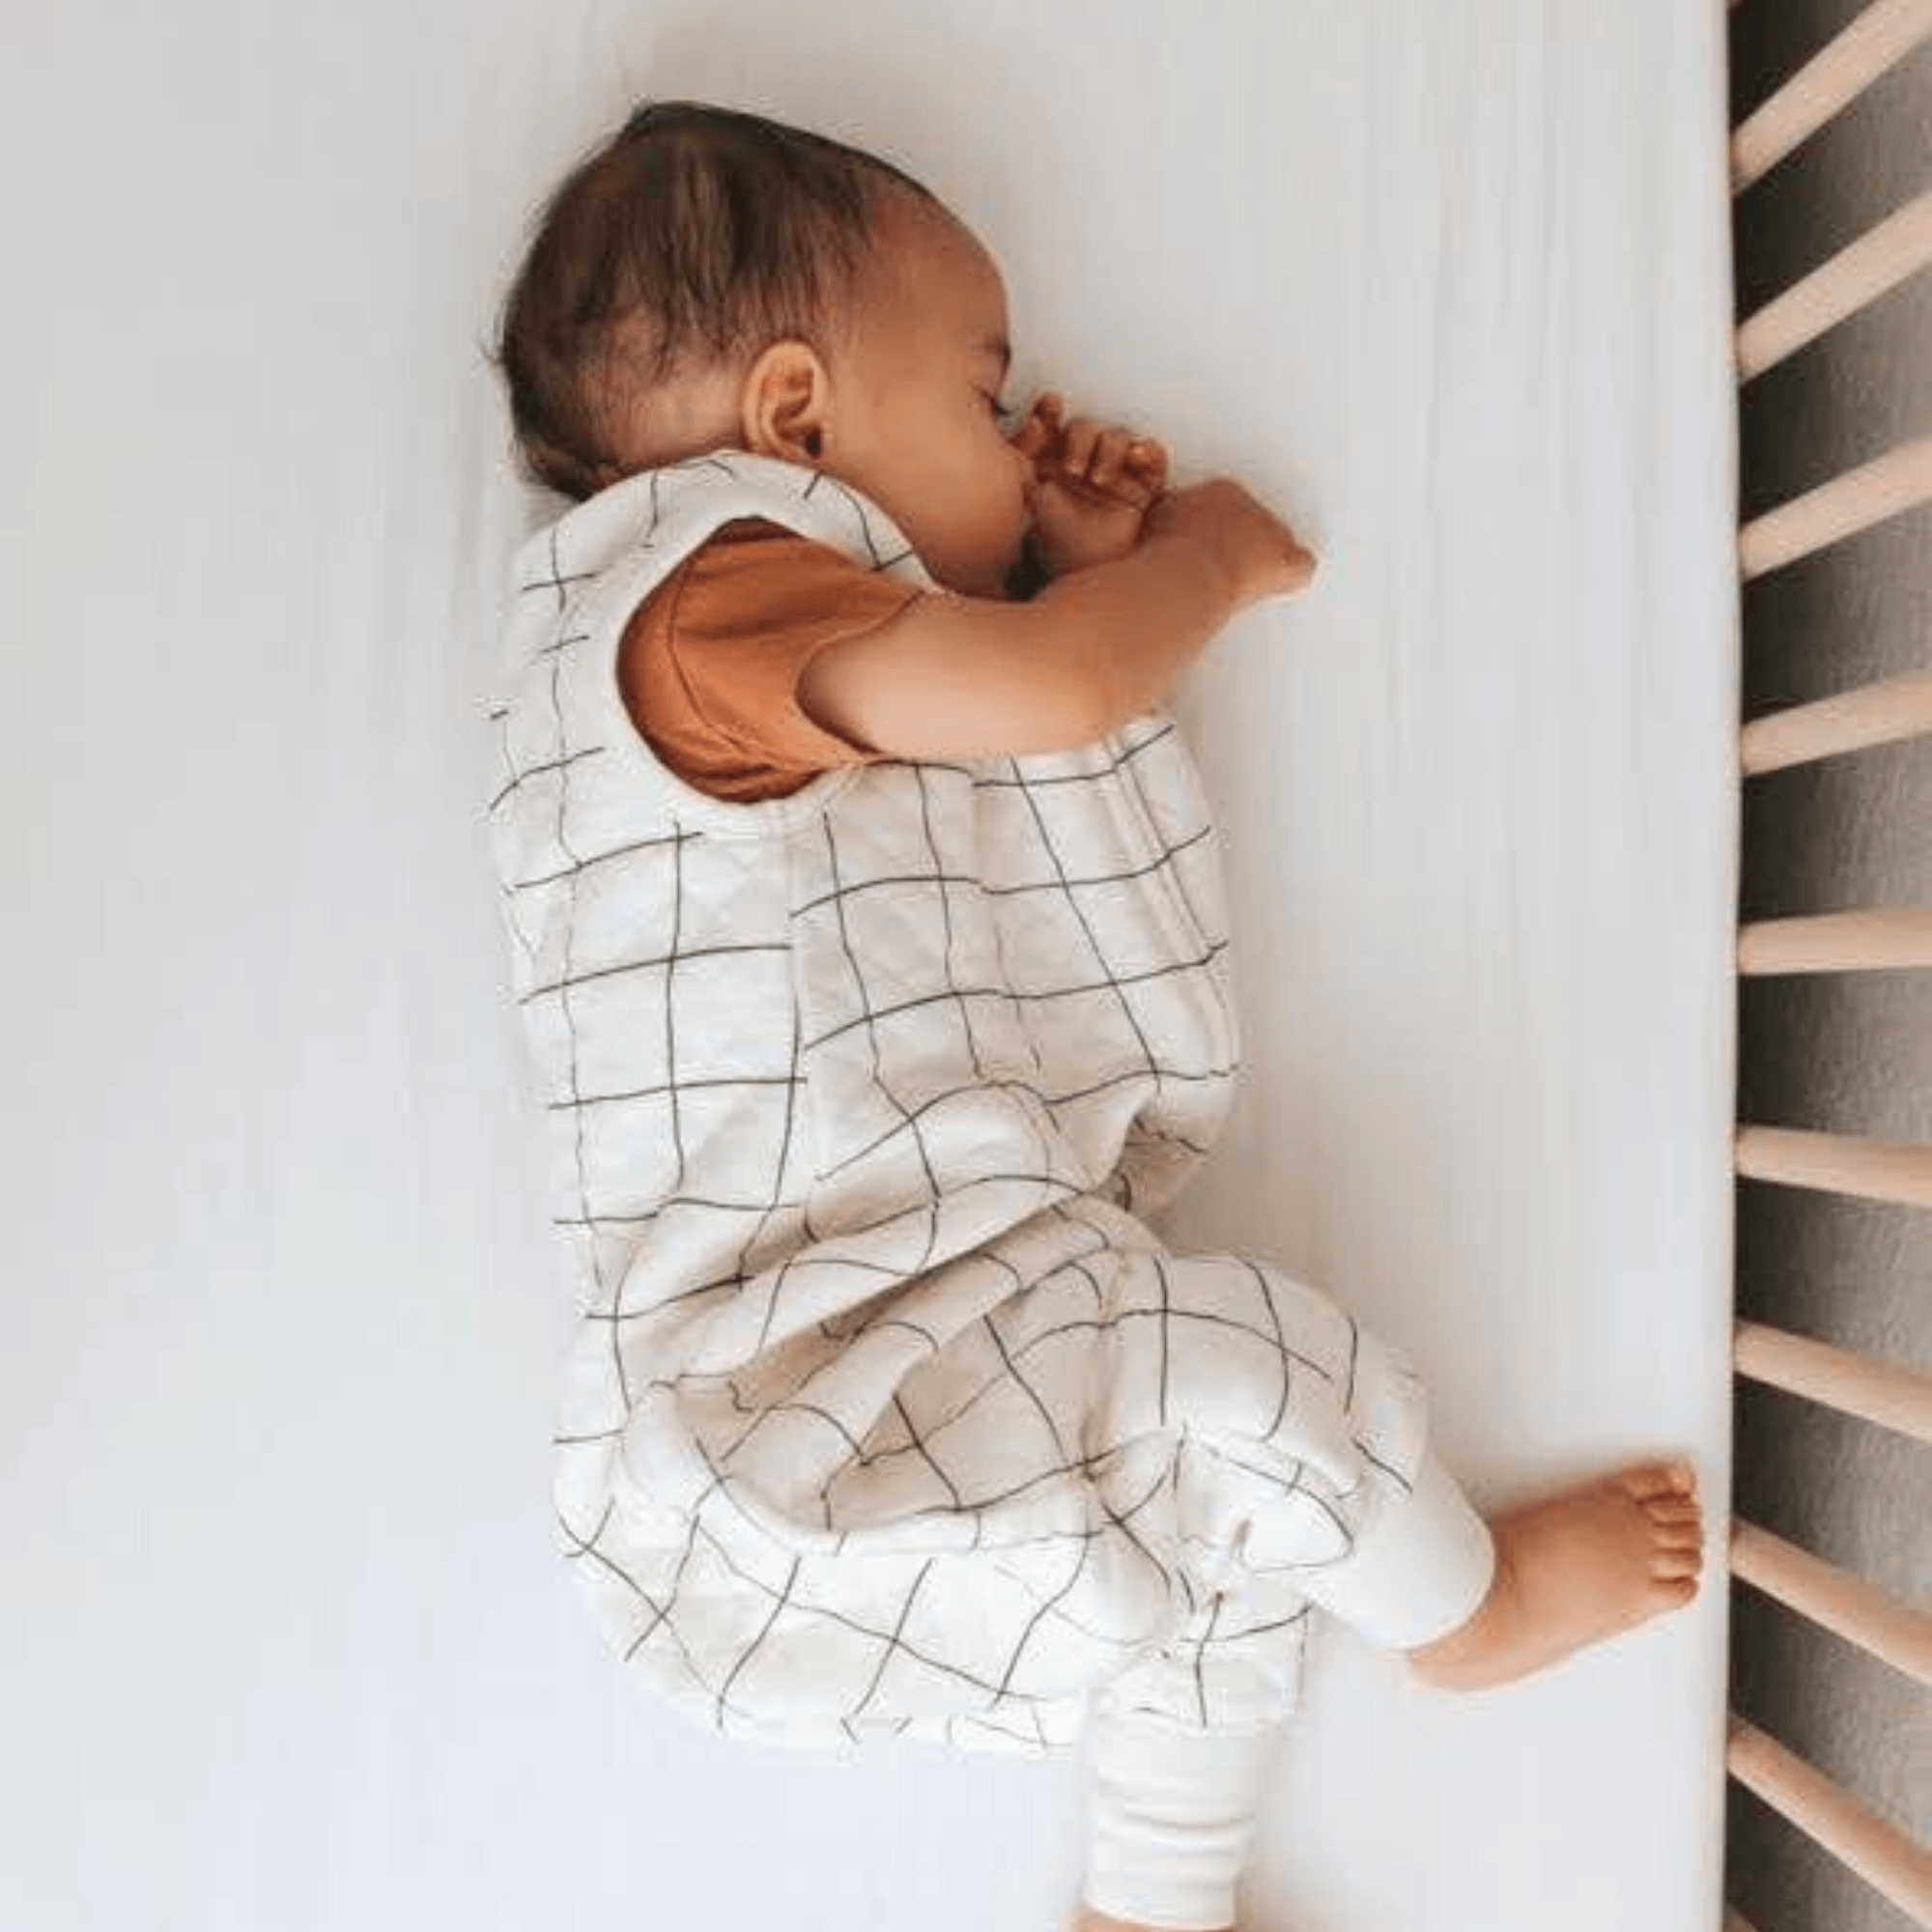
(1473, 1641)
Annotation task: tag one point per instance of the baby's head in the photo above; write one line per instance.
(710, 279)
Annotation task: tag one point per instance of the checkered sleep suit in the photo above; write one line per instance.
(887, 1413)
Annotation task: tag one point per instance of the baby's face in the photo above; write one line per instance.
(916, 427)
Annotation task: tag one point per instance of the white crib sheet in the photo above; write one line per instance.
(1447, 281)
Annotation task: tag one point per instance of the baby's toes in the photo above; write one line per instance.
(1671, 1481)
(1671, 1589)
(1673, 1521)
(1676, 1549)
(1672, 1592)
(1676, 1536)
(1670, 1507)
(1669, 1560)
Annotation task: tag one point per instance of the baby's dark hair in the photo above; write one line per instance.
(694, 231)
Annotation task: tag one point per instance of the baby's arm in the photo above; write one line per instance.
(970, 677)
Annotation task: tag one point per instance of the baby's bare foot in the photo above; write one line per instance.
(1573, 1570)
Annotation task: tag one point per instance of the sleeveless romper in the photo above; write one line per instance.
(887, 1412)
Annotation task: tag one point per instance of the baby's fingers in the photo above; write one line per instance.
(1149, 460)
(1112, 455)
(1122, 461)
(1082, 437)
(1040, 429)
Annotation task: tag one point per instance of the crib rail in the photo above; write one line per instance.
(1884, 1857)
(1898, 707)
(1882, 35)
(1857, 275)
(1899, 480)
(1889, 1395)
(1893, 1397)
(1838, 941)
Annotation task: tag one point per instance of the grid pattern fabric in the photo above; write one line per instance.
(887, 1413)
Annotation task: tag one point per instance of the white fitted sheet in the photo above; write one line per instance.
(1445, 280)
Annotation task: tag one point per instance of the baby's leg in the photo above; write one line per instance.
(1301, 1473)
(1573, 1570)
(1174, 1818)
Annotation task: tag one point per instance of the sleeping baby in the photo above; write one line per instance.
(867, 928)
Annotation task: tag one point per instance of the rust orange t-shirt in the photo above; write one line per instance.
(710, 662)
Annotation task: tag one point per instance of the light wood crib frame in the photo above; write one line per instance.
(1893, 1397)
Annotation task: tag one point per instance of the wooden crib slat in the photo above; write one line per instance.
(1881, 1854)
(1870, 939)
(1855, 1610)
(1878, 1169)
(1901, 479)
(1873, 714)
(1883, 34)
(1881, 1392)
(1899, 245)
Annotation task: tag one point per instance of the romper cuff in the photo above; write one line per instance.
(1173, 1817)
(1419, 1569)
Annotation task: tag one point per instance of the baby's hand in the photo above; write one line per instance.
(1095, 482)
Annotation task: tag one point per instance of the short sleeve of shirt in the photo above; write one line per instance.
(711, 660)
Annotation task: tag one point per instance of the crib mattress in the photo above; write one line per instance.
(1481, 810)
(1447, 281)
